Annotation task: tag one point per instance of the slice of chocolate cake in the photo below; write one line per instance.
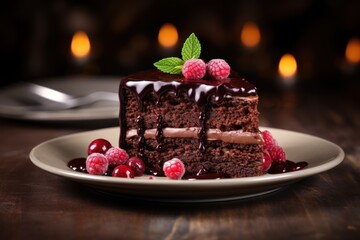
(211, 125)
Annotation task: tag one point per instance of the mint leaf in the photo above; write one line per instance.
(172, 65)
(191, 48)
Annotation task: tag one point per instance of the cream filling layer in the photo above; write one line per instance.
(235, 136)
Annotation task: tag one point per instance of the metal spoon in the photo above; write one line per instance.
(52, 99)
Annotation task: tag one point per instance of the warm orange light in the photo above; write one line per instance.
(352, 52)
(168, 35)
(287, 66)
(250, 35)
(80, 45)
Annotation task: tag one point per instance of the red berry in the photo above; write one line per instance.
(116, 156)
(97, 164)
(269, 141)
(174, 169)
(194, 69)
(266, 161)
(277, 154)
(218, 69)
(137, 164)
(99, 145)
(123, 171)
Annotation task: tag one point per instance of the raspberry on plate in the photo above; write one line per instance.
(174, 169)
(194, 69)
(269, 140)
(277, 154)
(97, 164)
(116, 156)
(218, 69)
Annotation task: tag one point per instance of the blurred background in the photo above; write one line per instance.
(275, 44)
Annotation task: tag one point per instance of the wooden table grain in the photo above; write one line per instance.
(37, 205)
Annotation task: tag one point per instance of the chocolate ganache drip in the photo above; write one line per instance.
(159, 133)
(140, 132)
(201, 91)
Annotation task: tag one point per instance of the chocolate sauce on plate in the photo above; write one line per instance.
(79, 165)
(287, 166)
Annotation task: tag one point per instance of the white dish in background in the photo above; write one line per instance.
(54, 155)
(13, 100)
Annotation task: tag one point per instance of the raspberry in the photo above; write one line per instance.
(174, 169)
(269, 141)
(97, 164)
(277, 153)
(116, 156)
(123, 171)
(194, 69)
(218, 69)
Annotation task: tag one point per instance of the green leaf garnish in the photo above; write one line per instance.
(172, 65)
(191, 48)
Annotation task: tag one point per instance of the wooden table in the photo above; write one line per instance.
(37, 205)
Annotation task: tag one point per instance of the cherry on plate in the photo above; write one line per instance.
(99, 145)
(123, 171)
(137, 164)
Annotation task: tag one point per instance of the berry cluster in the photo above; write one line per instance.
(191, 65)
(272, 151)
(102, 156)
(197, 69)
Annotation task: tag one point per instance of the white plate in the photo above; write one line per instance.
(13, 106)
(54, 155)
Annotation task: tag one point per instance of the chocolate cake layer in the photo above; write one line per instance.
(232, 113)
(210, 125)
(235, 160)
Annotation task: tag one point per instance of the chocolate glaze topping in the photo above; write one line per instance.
(159, 83)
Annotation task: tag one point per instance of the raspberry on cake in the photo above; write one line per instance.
(194, 69)
(218, 68)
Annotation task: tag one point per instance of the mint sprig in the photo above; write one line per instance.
(173, 65)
